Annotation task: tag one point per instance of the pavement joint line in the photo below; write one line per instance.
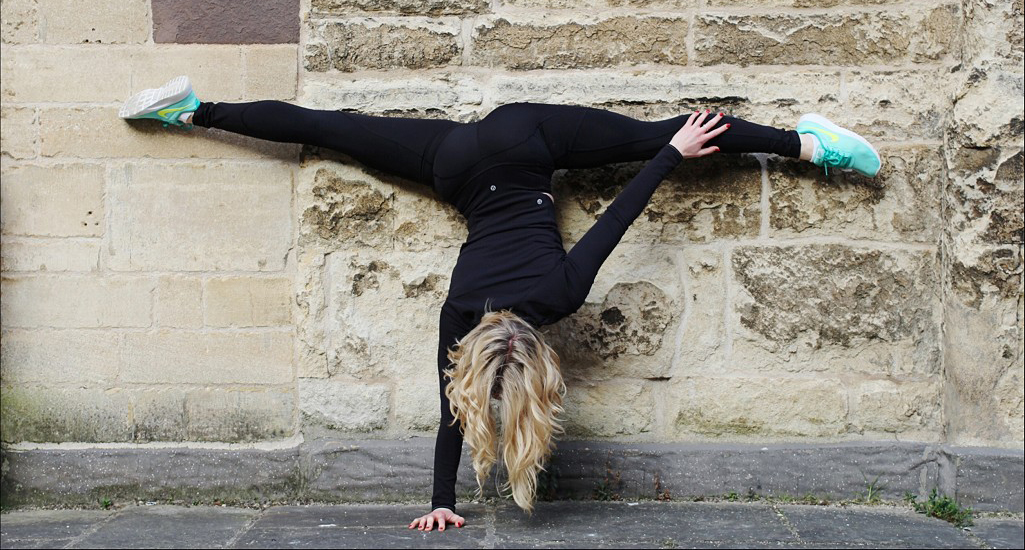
(93, 528)
(245, 528)
(490, 533)
(786, 522)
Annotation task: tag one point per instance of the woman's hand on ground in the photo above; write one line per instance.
(439, 517)
(690, 140)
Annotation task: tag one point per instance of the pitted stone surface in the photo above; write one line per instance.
(373, 45)
(837, 292)
(406, 7)
(225, 22)
(570, 44)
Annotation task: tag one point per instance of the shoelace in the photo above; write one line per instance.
(834, 158)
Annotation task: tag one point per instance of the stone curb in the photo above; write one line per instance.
(326, 470)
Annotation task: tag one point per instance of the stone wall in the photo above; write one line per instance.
(204, 287)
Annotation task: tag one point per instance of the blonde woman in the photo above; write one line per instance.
(513, 274)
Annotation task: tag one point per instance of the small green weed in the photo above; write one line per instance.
(872, 492)
(106, 503)
(942, 507)
(731, 496)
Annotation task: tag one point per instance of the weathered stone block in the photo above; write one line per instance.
(796, 3)
(56, 255)
(424, 222)
(239, 217)
(406, 7)
(19, 132)
(248, 302)
(94, 22)
(253, 358)
(628, 324)
(761, 408)
(609, 409)
(98, 132)
(29, 74)
(994, 31)
(52, 201)
(701, 344)
(834, 308)
(225, 22)
(19, 23)
(417, 405)
(346, 406)
(579, 43)
(902, 203)
(896, 105)
(270, 72)
(343, 205)
(708, 199)
(48, 356)
(599, 5)
(41, 414)
(159, 415)
(911, 409)
(239, 416)
(982, 116)
(984, 344)
(374, 44)
(986, 198)
(76, 301)
(852, 38)
(178, 302)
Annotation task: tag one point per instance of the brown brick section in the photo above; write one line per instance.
(226, 22)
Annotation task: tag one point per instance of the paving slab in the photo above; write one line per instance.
(1000, 532)
(47, 528)
(655, 523)
(169, 527)
(868, 526)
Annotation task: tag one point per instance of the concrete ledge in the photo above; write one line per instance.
(330, 470)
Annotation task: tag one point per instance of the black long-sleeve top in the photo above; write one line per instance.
(514, 259)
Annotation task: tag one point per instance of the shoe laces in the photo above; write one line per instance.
(834, 158)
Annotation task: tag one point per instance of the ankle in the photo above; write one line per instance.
(808, 144)
(186, 118)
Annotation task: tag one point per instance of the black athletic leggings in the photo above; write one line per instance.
(576, 136)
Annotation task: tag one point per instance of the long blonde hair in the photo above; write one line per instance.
(506, 358)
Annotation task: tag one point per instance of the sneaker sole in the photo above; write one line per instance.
(154, 99)
(829, 125)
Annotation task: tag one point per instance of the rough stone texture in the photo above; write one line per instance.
(372, 44)
(345, 406)
(225, 22)
(897, 105)
(19, 132)
(19, 22)
(837, 309)
(29, 76)
(405, 7)
(562, 44)
(237, 416)
(805, 202)
(756, 408)
(94, 22)
(857, 38)
(609, 409)
(705, 200)
(238, 217)
(52, 201)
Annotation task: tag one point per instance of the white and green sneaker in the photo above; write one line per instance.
(166, 103)
(838, 147)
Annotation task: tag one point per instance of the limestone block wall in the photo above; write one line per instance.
(205, 287)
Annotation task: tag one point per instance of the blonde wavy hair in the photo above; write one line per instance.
(505, 358)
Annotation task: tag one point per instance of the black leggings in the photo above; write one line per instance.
(575, 136)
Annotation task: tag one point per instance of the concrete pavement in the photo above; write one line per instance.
(565, 524)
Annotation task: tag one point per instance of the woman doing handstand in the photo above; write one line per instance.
(513, 274)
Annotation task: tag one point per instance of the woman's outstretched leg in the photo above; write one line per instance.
(400, 146)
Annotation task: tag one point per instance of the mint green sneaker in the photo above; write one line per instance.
(166, 103)
(838, 147)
